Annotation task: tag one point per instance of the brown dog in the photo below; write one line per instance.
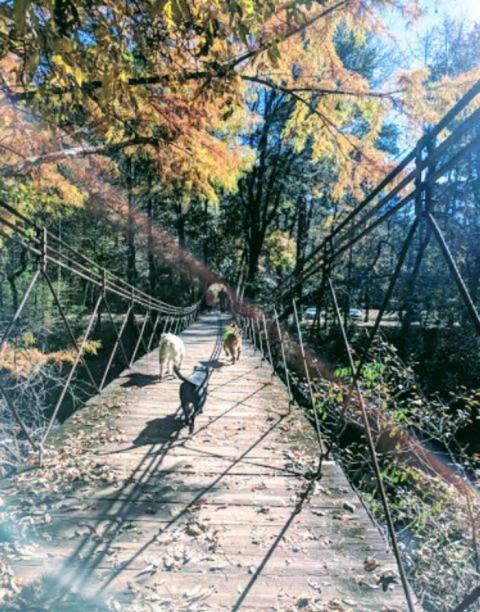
(232, 342)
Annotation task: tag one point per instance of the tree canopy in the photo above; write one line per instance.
(174, 78)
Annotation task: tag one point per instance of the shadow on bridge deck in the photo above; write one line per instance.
(217, 520)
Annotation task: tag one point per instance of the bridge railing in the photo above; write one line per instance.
(413, 200)
(36, 383)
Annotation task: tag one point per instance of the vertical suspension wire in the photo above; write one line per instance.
(118, 334)
(389, 292)
(373, 453)
(260, 341)
(252, 333)
(118, 342)
(267, 340)
(140, 338)
(20, 308)
(153, 332)
(284, 357)
(68, 328)
(72, 369)
(18, 418)
(310, 390)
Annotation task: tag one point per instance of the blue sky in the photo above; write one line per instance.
(407, 46)
(470, 9)
(433, 13)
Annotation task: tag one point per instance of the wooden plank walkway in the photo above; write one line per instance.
(212, 521)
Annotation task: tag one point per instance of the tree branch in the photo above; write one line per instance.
(71, 153)
(216, 69)
(283, 37)
(318, 90)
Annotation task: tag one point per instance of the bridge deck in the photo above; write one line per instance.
(214, 520)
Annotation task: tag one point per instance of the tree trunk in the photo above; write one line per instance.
(181, 226)
(150, 257)
(302, 237)
(13, 290)
(252, 266)
(131, 254)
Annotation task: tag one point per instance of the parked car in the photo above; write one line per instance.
(355, 313)
(310, 313)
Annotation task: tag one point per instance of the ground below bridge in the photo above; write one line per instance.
(151, 518)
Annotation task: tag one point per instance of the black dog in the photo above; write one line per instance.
(193, 393)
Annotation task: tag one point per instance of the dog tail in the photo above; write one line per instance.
(179, 375)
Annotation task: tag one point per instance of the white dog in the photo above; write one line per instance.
(171, 350)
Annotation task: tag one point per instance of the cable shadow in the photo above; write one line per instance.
(191, 504)
(252, 463)
(220, 416)
(92, 553)
(296, 511)
(213, 364)
(88, 551)
(236, 378)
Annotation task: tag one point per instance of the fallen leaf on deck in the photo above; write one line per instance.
(370, 563)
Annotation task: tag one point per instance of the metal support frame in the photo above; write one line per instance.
(462, 287)
(20, 308)
(386, 299)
